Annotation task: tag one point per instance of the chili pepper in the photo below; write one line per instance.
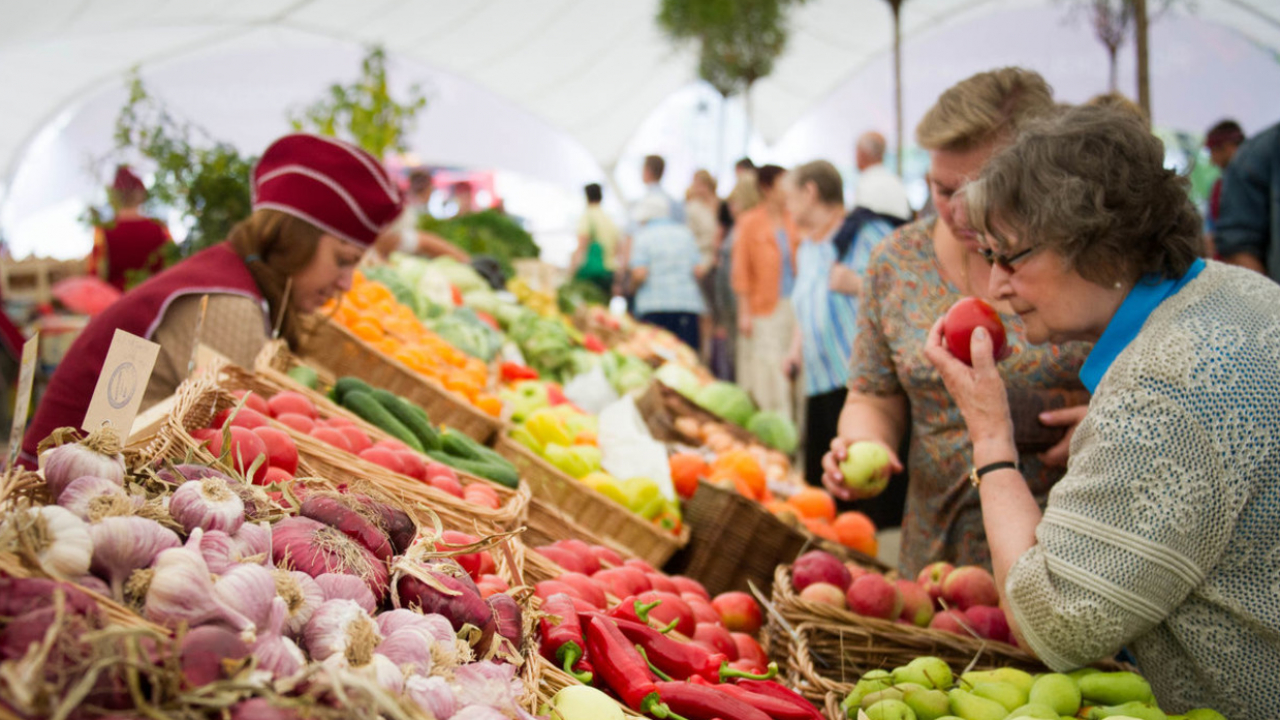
(699, 702)
(632, 609)
(781, 692)
(775, 707)
(562, 641)
(593, 343)
(623, 670)
(513, 371)
(679, 660)
(455, 294)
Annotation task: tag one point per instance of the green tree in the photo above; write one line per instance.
(364, 112)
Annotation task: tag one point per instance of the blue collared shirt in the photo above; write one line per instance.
(1138, 305)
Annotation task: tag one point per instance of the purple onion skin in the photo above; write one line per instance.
(507, 618)
(466, 608)
(22, 595)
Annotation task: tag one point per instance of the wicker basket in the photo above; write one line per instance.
(736, 543)
(617, 526)
(661, 407)
(831, 707)
(339, 352)
(326, 459)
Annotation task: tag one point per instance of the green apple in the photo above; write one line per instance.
(930, 672)
(1057, 691)
(890, 710)
(866, 468)
(1007, 694)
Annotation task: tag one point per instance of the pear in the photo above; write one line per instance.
(1035, 710)
(971, 707)
(1007, 694)
(930, 672)
(928, 704)
(1081, 672)
(1114, 688)
(1205, 714)
(873, 681)
(1018, 678)
(890, 710)
(1058, 691)
(892, 693)
(1133, 709)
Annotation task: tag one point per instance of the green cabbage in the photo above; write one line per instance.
(775, 431)
(679, 378)
(728, 401)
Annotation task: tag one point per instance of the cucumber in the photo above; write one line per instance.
(504, 474)
(458, 445)
(305, 376)
(417, 422)
(370, 410)
(346, 384)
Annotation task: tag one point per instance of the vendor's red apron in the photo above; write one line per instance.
(216, 270)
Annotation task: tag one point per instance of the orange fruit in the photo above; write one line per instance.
(855, 530)
(821, 528)
(686, 468)
(814, 503)
(742, 464)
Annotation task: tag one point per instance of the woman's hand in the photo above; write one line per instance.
(744, 324)
(833, 478)
(978, 391)
(1066, 417)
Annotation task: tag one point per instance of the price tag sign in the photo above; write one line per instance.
(22, 403)
(122, 384)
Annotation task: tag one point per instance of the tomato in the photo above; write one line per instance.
(246, 418)
(414, 464)
(481, 494)
(338, 422)
(384, 457)
(281, 451)
(275, 476)
(292, 402)
(252, 400)
(470, 561)
(445, 483)
(333, 437)
(391, 444)
(961, 320)
(356, 437)
(245, 448)
(301, 423)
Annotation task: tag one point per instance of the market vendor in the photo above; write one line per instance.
(131, 242)
(405, 235)
(318, 204)
(1162, 535)
(912, 278)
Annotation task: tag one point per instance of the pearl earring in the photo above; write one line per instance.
(1119, 285)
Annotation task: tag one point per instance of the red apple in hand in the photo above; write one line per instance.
(961, 320)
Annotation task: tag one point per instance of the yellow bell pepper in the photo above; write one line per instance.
(548, 428)
(567, 460)
(640, 491)
(606, 485)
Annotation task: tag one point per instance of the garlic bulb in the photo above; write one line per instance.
(92, 498)
(59, 540)
(379, 669)
(432, 694)
(181, 591)
(220, 551)
(124, 544)
(275, 653)
(301, 595)
(409, 649)
(253, 540)
(341, 586)
(97, 455)
(342, 627)
(208, 503)
(249, 590)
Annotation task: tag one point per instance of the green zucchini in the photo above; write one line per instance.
(417, 422)
(346, 384)
(363, 404)
(504, 474)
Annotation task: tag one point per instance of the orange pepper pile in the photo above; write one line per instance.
(371, 313)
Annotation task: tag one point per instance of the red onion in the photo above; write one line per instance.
(261, 709)
(314, 548)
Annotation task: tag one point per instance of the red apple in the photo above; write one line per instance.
(717, 637)
(917, 606)
(873, 596)
(702, 610)
(588, 589)
(932, 577)
(968, 586)
(989, 622)
(750, 651)
(673, 607)
(855, 571)
(961, 320)
(825, 594)
(819, 566)
(951, 621)
(689, 585)
(738, 611)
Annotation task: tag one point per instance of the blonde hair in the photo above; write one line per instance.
(745, 195)
(704, 177)
(987, 107)
(1118, 101)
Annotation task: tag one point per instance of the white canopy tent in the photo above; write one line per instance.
(560, 91)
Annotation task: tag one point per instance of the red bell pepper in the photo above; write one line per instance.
(783, 693)
(489, 320)
(700, 702)
(555, 395)
(514, 371)
(455, 295)
(621, 668)
(562, 637)
(776, 708)
(592, 343)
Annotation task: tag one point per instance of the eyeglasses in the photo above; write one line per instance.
(1006, 261)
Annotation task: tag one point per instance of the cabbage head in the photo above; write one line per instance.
(727, 401)
(775, 431)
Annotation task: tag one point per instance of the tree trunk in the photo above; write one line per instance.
(746, 135)
(1144, 77)
(896, 7)
(1112, 84)
(724, 100)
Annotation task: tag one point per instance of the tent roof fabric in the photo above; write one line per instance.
(592, 69)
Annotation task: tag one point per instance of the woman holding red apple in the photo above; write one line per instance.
(911, 280)
(1161, 537)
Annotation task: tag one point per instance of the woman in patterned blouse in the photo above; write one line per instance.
(913, 277)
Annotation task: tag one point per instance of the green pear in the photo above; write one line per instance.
(890, 710)
(892, 693)
(1133, 709)
(1205, 714)
(1035, 710)
(971, 707)
(1058, 691)
(1018, 678)
(1007, 694)
(928, 704)
(873, 681)
(1077, 674)
(930, 672)
(1114, 688)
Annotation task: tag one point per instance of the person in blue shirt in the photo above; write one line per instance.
(1161, 537)
(666, 268)
(1247, 230)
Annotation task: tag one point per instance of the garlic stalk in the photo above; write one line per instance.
(181, 591)
(55, 538)
(124, 544)
(342, 627)
(208, 503)
(92, 498)
(248, 590)
(301, 595)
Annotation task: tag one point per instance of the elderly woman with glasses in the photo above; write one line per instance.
(1162, 535)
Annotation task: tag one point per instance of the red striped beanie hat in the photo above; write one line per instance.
(330, 183)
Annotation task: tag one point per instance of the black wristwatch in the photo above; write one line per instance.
(975, 475)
